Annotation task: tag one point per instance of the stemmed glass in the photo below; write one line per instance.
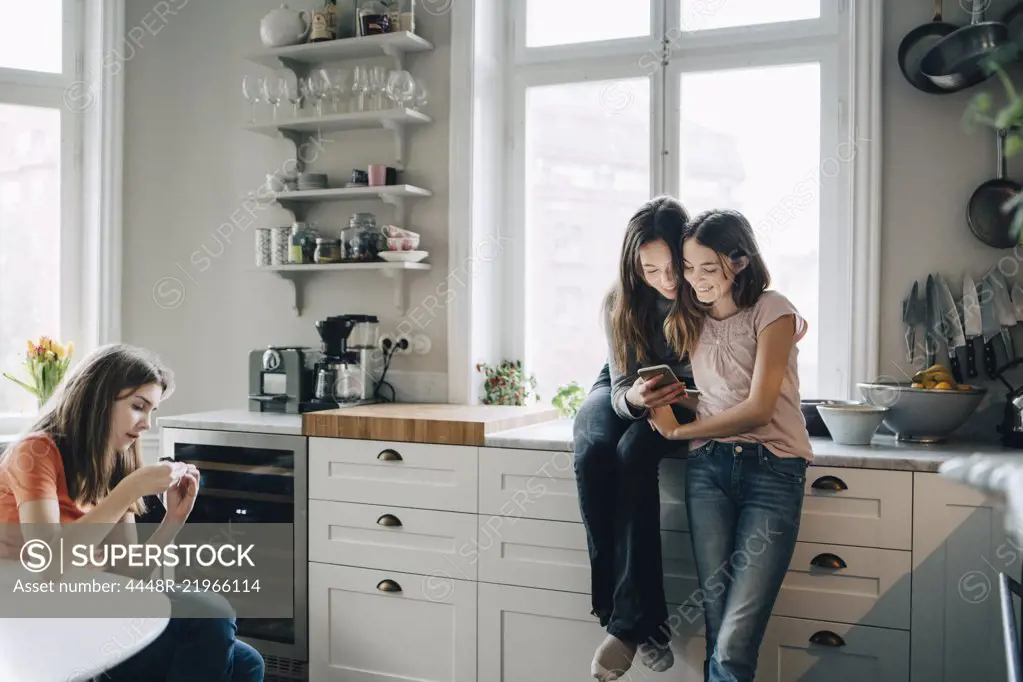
(378, 85)
(252, 88)
(401, 87)
(360, 86)
(318, 88)
(273, 90)
(293, 91)
(421, 95)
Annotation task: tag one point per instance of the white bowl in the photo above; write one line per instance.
(852, 424)
(403, 256)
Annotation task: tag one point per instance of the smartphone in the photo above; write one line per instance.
(667, 375)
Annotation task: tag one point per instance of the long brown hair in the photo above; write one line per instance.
(730, 235)
(78, 418)
(632, 303)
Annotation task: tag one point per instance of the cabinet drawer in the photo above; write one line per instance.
(859, 507)
(382, 626)
(542, 485)
(413, 475)
(553, 555)
(796, 650)
(859, 585)
(427, 542)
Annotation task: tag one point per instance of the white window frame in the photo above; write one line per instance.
(89, 94)
(845, 40)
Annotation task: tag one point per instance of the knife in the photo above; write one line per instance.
(914, 315)
(971, 324)
(933, 328)
(952, 326)
(989, 324)
(1006, 315)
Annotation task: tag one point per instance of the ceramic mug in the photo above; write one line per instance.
(377, 175)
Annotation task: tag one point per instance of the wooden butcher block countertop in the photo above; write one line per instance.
(423, 422)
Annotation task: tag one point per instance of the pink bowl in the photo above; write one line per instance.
(402, 243)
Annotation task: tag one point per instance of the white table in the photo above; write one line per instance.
(68, 649)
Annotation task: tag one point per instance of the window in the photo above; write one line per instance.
(726, 104)
(39, 186)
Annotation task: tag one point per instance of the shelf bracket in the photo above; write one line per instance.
(397, 278)
(298, 288)
(299, 210)
(400, 206)
(296, 138)
(397, 55)
(398, 130)
(300, 69)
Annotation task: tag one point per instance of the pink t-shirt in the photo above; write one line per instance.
(723, 371)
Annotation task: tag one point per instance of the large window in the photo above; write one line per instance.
(39, 186)
(735, 104)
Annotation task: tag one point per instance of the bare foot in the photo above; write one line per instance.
(657, 657)
(612, 659)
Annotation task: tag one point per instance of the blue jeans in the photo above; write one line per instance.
(744, 504)
(193, 650)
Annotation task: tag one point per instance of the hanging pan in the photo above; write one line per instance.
(989, 222)
(916, 44)
(960, 59)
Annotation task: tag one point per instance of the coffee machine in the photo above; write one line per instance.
(279, 379)
(347, 370)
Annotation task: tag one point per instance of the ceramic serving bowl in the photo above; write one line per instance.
(923, 415)
(852, 423)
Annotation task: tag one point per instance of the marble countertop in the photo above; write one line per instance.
(236, 420)
(885, 452)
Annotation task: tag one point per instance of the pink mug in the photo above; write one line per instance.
(377, 175)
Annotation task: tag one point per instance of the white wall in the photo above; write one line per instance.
(931, 167)
(188, 168)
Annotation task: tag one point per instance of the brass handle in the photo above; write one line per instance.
(389, 520)
(829, 483)
(826, 638)
(388, 585)
(828, 560)
(389, 455)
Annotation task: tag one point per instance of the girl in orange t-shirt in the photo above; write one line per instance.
(80, 466)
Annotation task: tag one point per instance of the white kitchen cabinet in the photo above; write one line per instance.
(420, 541)
(959, 548)
(416, 475)
(528, 634)
(861, 507)
(382, 626)
(797, 650)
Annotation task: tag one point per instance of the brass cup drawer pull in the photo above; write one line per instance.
(389, 455)
(829, 483)
(826, 638)
(828, 560)
(388, 585)
(389, 520)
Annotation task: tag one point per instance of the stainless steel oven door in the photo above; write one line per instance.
(249, 457)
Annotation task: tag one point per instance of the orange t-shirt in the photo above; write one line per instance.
(31, 469)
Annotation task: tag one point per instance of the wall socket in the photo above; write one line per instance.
(406, 341)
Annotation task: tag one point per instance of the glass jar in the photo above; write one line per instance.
(374, 18)
(362, 238)
(327, 250)
(348, 385)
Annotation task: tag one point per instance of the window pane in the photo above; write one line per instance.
(578, 21)
(29, 240)
(587, 171)
(768, 167)
(700, 15)
(31, 35)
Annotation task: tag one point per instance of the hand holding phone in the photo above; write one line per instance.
(656, 386)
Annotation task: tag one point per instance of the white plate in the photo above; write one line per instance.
(404, 256)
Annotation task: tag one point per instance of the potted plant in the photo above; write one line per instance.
(507, 384)
(569, 399)
(46, 362)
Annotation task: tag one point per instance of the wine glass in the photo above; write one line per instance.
(378, 84)
(421, 95)
(317, 89)
(273, 90)
(252, 88)
(401, 87)
(293, 91)
(339, 86)
(360, 86)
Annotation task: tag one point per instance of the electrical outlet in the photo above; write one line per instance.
(404, 344)
(386, 342)
(421, 344)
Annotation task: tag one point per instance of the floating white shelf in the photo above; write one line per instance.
(394, 45)
(394, 271)
(356, 120)
(300, 202)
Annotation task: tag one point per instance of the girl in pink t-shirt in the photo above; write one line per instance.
(749, 448)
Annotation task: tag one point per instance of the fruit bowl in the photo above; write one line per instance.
(919, 411)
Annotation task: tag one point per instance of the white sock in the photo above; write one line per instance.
(612, 659)
(657, 657)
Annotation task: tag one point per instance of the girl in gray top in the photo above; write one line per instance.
(617, 453)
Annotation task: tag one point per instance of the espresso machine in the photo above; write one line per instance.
(349, 363)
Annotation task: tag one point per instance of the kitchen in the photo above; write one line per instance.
(499, 568)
